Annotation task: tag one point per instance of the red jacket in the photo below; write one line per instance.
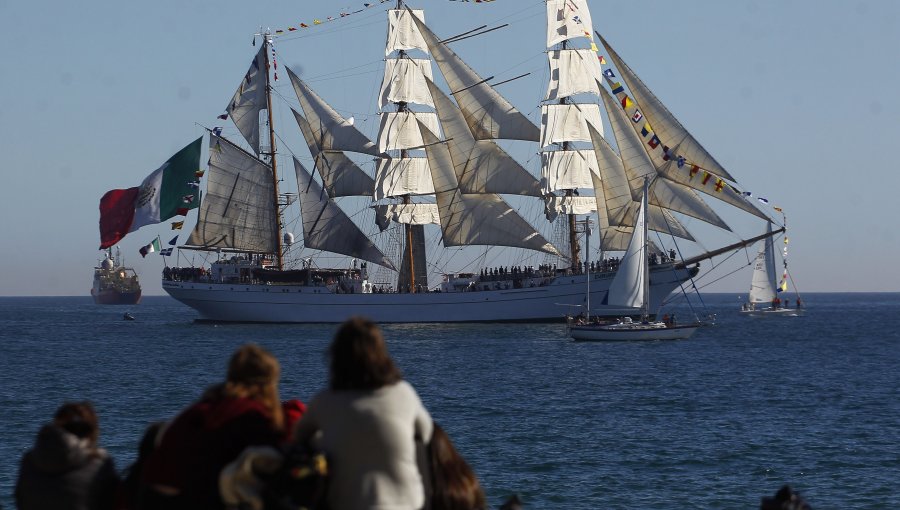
(201, 441)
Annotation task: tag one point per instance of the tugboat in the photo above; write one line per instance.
(115, 284)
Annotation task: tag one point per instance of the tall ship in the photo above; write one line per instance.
(115, 283)
(454, 242)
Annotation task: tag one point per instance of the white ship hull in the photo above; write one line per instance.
(228, 302)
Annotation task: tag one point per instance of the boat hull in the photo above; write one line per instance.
(776, 312)
(223, 302)
(595, 333)
(113, 297)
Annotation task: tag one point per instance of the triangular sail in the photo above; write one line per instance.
(340, 175)
(763, 284)
(236, 211)
(615, 195)
(638, 166)
(674, 152)
(250, 99)
(481, 166)
(488, 114)
(326, 227)
(664, 123)
(628, 286)
(483, 219)
(331, 131)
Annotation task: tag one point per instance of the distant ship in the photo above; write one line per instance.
(115, 284)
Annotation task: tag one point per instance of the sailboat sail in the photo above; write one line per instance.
(250, 100)
(638, 166)
(488, 114)
(330, 130)
(326, 227)
(236, 212)
(762, 286)
(404, 81)
(395, 177)
(340, 175)
(481, 166)
(628, 286)
(567, 19)
(483, 219)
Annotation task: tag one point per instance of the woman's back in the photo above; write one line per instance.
(368, 436)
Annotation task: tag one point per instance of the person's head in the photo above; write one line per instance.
(359, 357)
(79, 419)
(454, 483)
(785, 499)
(253, 373)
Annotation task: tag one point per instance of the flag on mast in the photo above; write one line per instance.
(158, 198)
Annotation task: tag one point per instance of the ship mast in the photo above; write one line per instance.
(402, 107)
(574, 248)
(275, 203)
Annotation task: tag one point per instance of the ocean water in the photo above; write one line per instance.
(716, 421)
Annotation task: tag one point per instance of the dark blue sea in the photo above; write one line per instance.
(716, 421)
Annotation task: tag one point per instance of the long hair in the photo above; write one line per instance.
(454, 483)
(80, 419)
(253, 373)
(360, 359)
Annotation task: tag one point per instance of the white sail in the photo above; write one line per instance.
(483, 219)
(567, 19)
(395, 177)
(488, 114)
(763, 284)
(554, 206)
(236, 211)
(326, 227)
(637, 166)
(568, 122)
(481, 166)
(331, 131)
(250, 100)
(404, 81)
(399, 130)
(628, 286)
(407, 214)
(666, 126)
(340, 175)
(617, 202)
(565, 169)
(402, 31)
(573, 71)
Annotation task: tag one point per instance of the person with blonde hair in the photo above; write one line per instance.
(245, 410)
(366, 423)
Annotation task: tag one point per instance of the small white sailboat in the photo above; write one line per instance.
(764, 300)
(629, 289)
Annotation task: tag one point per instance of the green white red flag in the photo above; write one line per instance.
(169, 191)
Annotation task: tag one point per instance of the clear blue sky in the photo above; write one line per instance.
(797, 98)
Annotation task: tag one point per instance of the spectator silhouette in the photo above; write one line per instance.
(454, 484)
(65, 470)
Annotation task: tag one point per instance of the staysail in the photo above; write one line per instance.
(488, 114)
(236, 212)
(326, 227)
(483, 219)
(340, 175)
(331, 131)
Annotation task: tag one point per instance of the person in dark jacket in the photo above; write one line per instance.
(66, 470)
(183, 471)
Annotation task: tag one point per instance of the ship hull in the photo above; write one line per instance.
(223, 302)
(112, 297)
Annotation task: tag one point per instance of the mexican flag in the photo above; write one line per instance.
(170, 190)
(150, 248)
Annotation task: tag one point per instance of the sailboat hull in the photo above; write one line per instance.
(225, 302)
(595, 333)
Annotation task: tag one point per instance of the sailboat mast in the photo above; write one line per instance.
(278, 247)
(645, 303)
